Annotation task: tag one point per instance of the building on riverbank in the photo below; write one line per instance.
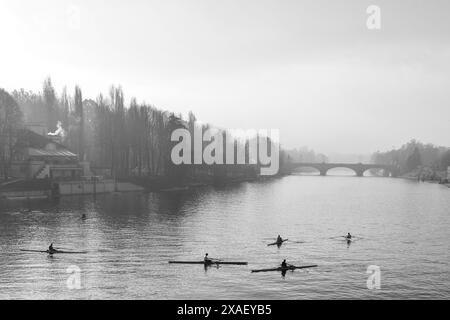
(43, 167)
(44, 157)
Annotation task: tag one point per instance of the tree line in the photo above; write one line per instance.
(414, 155)
(131, 140)
(305, 154)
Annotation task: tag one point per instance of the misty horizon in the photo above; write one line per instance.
(333, 156)
(294, 67)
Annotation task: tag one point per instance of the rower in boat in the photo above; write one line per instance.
(51, 249)
(285, 265)
(349, 236)
(279, 239)
(207, 260)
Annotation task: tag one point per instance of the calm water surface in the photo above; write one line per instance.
(402, 226)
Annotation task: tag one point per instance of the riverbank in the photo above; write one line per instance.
(427, 181)
(164, 184)
(425, 174)
(46, 188)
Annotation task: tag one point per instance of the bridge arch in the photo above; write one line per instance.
(355, 171)
(387, 172)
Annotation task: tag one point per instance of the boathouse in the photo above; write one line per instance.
(44, 157)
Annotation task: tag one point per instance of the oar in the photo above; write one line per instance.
(68, 250)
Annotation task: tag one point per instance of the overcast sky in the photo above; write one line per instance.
(310, 68)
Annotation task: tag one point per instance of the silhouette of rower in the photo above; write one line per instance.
(51, 249)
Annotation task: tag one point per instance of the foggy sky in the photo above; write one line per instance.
(309, 68)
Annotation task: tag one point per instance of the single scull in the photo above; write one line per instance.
(285, 269)
(54, 251)
(277, 243)
(212, 262)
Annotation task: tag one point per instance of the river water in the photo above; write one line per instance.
(402, 227)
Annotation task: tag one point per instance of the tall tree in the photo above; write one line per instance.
(78, 106)
(31, 105)
(414, 160)
(10, 121)
(445, 160)
(50, 102)
(65, 108)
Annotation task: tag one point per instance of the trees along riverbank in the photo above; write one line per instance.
(416, 160)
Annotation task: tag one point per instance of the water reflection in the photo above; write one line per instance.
(130, 237)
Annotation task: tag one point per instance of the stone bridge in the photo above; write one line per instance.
(359, 168)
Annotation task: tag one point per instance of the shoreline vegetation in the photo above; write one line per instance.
(119, 139)
(43, 189)
(418, 161)
(131, 143)
(438, 177)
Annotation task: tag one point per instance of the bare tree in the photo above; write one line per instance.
(10, 122)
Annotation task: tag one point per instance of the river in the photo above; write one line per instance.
(402, 227)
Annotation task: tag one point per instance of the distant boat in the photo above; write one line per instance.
(54, 251)
(210, 262)
(285, 268)
(278, 243)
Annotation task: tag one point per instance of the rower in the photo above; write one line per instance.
(51, 249)
(279, 239)
(206, 259)
(349, 236)
(284, 264)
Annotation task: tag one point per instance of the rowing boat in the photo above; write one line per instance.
(212, 262)
(277, 243)
(54, 251)
(285, 268)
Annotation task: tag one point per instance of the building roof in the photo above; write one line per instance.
(32, 140)
(50, 153)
